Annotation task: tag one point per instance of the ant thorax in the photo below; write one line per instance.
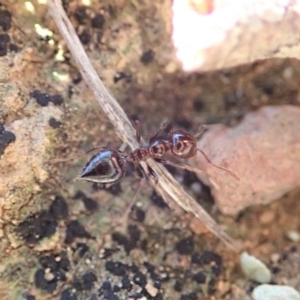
(105, 167)
(159, 148)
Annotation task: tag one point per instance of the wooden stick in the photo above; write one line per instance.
(166, 186)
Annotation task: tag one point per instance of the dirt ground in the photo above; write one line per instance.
(61, 238)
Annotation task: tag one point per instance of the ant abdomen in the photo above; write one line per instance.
(104, 167)
(183, 144)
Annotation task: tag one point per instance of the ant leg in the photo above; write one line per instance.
(124, 219)
(201, 130)
(137, 126)
(179, 165)
(152, 173)
(58, 160)
(163, 127)
(189, 168)
(141, 183)
(217, 166)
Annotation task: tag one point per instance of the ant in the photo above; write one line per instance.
(109, 165)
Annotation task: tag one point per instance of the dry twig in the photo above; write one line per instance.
(167, 187)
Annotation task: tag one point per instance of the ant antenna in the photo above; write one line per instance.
(180, 166)
(58, 160)
(196, 170)
(217, 166)
(137, 127)
(201, 130)
(141, 183)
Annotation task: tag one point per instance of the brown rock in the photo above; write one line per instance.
(263, 150)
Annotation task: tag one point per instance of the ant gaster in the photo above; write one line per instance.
(108, 166)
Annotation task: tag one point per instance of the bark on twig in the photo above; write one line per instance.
(167, 187)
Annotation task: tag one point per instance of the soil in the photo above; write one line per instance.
(62, 238)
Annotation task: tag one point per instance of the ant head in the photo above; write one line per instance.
(107, 166)
(183, 144)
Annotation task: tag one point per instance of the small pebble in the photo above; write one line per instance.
(185, 246)
(152, 290)
(6, 137)
(5, 19)
(147, 57)
(288, 72)
(54, 123)
(275, 257)
(275, 292)
(56, 99)
(254, 268)
(81, 14)
(171, 67)
(267, 217)
(41, 98)
(98, 21)
(4, 41)
(293, 235)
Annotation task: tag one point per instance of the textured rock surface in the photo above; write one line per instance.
(24, 162)
(263, 150)
(213, 35)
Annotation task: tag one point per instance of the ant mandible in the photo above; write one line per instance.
(109, 165)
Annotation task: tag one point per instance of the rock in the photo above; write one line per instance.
(294, 236)
(275, 292)
(205, 32)
(151, 289)
(263, 150)
(24, 162)
(254, 269)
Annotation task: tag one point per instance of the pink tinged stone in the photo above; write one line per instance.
(263, 150)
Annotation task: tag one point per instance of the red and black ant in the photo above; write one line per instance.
(108, 166)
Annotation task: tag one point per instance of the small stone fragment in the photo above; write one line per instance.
(89, 203)
(293, 235)
(267, 217)
(4, 41)
(75, 230)
(98, 21)
(147, 57)
(54, 123)
(151, 289)
(41, 98)
(85, 37)
(200, 277)
(13, 47)
(56, 99)
(6, 137)
(59, 208)
(254, 268)
(81, 14)
(68, 295)
(185, 246)
(5, 19)
(275, 292)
